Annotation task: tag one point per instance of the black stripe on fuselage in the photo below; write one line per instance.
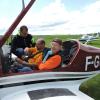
(39, 81)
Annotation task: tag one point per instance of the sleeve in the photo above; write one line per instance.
(28, 40)
(32, 50)
(14, 45)
(51, 63)
(32, 41)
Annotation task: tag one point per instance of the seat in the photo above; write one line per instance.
(69, 49)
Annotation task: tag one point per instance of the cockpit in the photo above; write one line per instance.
(68, 52)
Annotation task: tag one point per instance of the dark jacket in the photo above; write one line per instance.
(21, 42)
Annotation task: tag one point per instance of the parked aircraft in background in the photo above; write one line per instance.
(88, 37)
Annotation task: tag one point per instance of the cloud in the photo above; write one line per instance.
(83, 21)
(49, 18)
(3, 22)
(56, 19)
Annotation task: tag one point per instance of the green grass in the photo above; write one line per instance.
(49, 38)
(95, 43)
(92, 87)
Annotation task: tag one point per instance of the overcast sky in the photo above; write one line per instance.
(53, 16)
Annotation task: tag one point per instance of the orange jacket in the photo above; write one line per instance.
(51, 63)
(37, 59)
(32, 50)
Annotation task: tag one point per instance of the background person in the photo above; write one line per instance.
(21, 41)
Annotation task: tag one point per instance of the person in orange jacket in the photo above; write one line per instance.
(53, 58)
(38, 52)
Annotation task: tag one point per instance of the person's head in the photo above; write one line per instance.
(23, 31)
(40, 44)
(56, 45)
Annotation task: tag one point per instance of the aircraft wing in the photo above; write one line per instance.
(44, 91)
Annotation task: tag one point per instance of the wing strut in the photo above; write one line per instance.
(15, 23)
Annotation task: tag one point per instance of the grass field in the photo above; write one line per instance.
(95, 43)
(49, 38)
(92, 87)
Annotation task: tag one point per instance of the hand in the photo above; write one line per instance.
(33, 65)
(27, 64)
(26, 49)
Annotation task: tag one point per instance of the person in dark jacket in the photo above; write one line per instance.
(21, 41)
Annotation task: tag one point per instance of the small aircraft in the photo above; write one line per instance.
(88, 38)
(81, 62)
